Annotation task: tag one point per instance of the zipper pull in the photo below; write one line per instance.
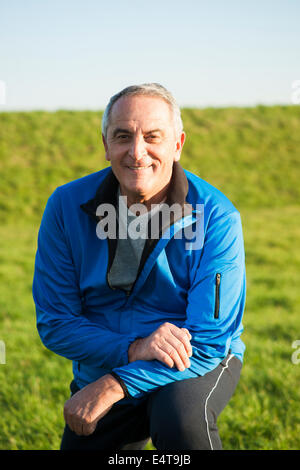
(217, 297)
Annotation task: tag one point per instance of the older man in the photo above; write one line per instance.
(151, 320)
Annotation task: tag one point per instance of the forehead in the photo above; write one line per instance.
(141, 111)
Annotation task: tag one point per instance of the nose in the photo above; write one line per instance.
(137, 148)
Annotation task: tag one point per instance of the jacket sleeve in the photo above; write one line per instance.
(214, 311)
(57, 298)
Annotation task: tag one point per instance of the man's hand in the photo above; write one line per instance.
(168, 344)
(87, 406)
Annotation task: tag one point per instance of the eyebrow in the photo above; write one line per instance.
(119, 130)
(154, 130)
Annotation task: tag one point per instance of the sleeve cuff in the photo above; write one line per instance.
(121, 382)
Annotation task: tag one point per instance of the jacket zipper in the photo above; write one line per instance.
(128, 293)
(217, 296)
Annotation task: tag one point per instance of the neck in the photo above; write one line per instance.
(157, 198)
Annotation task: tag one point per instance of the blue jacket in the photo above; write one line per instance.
(80, 317)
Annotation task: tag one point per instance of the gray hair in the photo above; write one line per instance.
(148, 89)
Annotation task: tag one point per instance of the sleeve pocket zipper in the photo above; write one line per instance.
(217, 295)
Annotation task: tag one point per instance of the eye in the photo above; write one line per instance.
(152, 138)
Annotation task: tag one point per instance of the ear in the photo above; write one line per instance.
(106, 148)
(178, 146)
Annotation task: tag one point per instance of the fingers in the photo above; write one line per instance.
(86, 407)
(185, 330)
(182, 342)
(174, 347)
(174, 357)
(168, 344)
(164, 357)
(176, 350)
(186, 340)
(184, 336)
(78, 424)
(80, 427)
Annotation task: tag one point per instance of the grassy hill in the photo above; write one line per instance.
(253, 156)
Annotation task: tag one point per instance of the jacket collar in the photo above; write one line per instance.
(107, 193)
(108, 190)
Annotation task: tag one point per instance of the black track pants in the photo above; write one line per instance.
(179, 416)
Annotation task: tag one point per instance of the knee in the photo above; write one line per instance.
(174, 428)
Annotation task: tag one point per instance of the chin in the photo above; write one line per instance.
(139, 184)
(138, 190)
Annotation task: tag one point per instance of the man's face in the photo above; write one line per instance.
(141, 145)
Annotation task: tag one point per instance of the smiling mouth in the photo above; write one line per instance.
(139, 167)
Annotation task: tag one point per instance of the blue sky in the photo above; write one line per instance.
(67, 54)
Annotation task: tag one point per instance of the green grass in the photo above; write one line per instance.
(252, 155)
